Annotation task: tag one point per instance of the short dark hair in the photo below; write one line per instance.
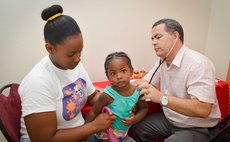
(117, 55)
(171, 26)
(57, 30)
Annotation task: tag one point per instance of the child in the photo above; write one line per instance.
(120, 98)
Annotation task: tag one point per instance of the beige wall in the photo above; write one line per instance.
(2, 139)
(109, 26)
(218, 41)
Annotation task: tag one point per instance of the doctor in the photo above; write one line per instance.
(186, 80)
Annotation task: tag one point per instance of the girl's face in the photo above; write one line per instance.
(66, 55)
(119, 72)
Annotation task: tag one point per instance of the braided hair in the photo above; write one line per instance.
(117, 55)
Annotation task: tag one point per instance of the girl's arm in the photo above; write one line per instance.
(93, 97)
(103, 100)
(142, 109)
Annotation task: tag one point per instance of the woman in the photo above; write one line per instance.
(56, 89)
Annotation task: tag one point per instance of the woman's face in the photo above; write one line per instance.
(68, 54)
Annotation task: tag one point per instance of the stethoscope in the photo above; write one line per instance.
(162, 60)
(160, 63)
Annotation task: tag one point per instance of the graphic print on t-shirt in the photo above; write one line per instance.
(74, 98)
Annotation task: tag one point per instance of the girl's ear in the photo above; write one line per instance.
(49, 48)
(106, 73)
(131, 70)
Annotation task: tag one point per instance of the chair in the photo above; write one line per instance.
(10, 113)
(223, 131)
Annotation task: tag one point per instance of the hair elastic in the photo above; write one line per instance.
(105, 108)
(54, 16)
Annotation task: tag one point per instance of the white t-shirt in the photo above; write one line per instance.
(191, 75)
(48, 88)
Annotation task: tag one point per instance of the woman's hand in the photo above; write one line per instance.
(104, 121)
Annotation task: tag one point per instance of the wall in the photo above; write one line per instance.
(218, 43)
(111, 26)
(106, 25)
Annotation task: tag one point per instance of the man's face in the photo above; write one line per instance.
(162, 40)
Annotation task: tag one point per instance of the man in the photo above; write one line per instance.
(186, 80)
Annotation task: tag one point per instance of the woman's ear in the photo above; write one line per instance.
(49, 48)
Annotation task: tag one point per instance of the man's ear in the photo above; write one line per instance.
(176, 34)
(49, 48)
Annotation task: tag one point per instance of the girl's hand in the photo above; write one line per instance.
(129, 121)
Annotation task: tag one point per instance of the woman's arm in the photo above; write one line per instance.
(42, 127)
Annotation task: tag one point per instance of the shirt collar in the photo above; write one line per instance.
(178, 58)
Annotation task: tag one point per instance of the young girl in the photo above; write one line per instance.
(120, 98)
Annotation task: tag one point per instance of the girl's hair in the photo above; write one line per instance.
(58, 27)
(117, 55)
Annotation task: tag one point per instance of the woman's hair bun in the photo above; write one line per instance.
(50, 11)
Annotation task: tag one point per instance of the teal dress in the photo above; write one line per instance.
(121, 107)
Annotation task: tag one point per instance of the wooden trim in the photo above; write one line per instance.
(228, 74)
(228, 81)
